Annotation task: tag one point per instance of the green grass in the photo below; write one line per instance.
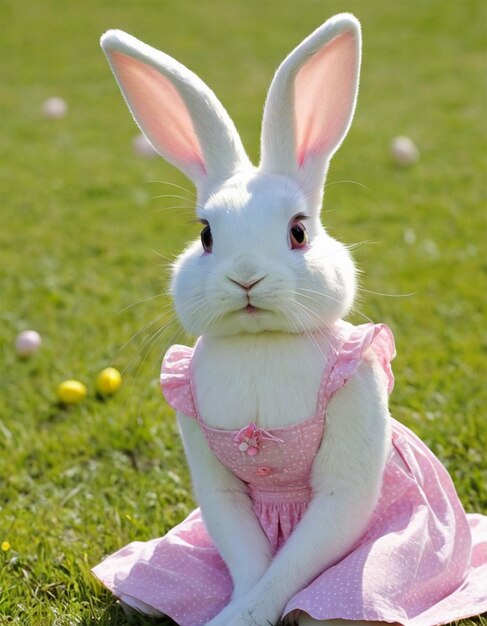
(80, 229)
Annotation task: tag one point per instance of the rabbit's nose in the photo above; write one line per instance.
(246, 285)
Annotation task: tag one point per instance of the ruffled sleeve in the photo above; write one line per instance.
(176, 379)
(367, 342)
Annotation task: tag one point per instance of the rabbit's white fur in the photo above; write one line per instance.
(267, 360)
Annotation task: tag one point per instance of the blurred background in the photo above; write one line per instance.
(89, 228)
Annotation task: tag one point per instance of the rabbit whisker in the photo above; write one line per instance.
(389, 295)
(145, 327)
(152, 341)
(311, 334)
(130, 306)
(179, 207)
(164, 327)
(166, 182)
(353, 308)
(359, 244)
(351, 182)
(170, 195)
(306, 330)
(147, 342)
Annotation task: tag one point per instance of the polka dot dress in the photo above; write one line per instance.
(422, 561)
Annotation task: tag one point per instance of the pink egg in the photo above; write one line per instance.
(27, 343)
(404, 151)
(54, 108)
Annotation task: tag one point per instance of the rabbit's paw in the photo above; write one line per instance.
(225, 616)
(244, 618)
(247, 612)
(252, 610)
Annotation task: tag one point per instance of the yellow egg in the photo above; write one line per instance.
(108, 381)
(71, 392)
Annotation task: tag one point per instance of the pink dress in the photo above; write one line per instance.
(421, 561)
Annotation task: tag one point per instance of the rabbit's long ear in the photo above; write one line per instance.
(310, 104)
(178, 113)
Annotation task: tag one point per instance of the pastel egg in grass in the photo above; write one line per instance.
(28, 343)
(108, 381)
(404, 151)
(71, 392)
(54, 108)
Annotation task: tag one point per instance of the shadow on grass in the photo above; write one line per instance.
(115, 615)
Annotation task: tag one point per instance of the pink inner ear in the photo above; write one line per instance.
(159, 110)
(324, 97)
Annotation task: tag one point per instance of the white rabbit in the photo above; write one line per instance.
(265, 289)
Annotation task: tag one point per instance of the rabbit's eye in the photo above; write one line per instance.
(297, 235)
(207, 239)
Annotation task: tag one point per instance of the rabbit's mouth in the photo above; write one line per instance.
(251, 310)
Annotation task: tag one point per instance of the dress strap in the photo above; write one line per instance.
(176, 379)
(354, 344)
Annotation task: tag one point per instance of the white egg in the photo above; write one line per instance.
(54, 108)
(143, 147)
(404, 151)
(28, 342)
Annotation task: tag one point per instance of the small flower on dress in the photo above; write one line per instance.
(249, 439)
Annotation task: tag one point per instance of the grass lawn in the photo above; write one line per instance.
(86, 238)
